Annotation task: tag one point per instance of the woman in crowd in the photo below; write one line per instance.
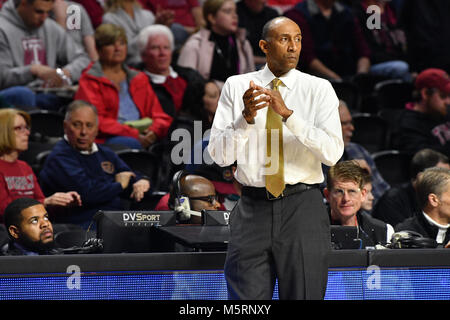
(132, 18)
(128, 109)
(17, 178)
(221, 49)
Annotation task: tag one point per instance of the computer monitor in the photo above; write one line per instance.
(345, 237)
(215, 217)
(134, 231)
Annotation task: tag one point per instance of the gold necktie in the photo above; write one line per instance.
(275, 182)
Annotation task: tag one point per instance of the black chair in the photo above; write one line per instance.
(393, 94)
(366, 83)
(393, 165)
(371, 131)
(392, 118)
(140, 161)
(348, 92)
(46, 125)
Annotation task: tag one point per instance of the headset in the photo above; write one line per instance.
(181, 203)
(409, 239)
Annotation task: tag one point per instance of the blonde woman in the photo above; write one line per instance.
(17, 179)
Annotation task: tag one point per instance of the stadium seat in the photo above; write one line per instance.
(393, 94)
(371, 131)
(393, 165)
(348, 92)
(46, 125)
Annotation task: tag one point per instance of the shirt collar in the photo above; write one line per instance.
(93, 149)
(434, 223)
(267, 76)
(160, 79)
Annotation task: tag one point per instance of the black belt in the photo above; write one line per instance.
(262, 193)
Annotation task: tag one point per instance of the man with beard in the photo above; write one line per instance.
(29, 228)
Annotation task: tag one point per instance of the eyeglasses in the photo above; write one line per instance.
(339, 193)
(210, 198)
(22, 128)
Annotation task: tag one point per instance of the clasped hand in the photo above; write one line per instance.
(257, 97)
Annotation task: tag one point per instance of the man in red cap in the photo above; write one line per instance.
(425, 122)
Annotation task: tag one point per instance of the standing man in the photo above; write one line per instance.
(280, 227)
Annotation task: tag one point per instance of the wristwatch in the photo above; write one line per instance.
(63, 76)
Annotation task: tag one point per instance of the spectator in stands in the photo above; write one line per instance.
(17, 178)
(96, 172)
(433, 194)
(33, 47)
(387, 41)
(123, 97)
(345, 194)
(198, 190)
(221, 49)
(354, 151)
(424, 123)
(75, 20)
(95, 10)
(129, 15)
(253, 15)
(186, 14)
(427, 30)
(367, 203)
(29, 228)
(400, 203)
(339, 49)
(170, 83)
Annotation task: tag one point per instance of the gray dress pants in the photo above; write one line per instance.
(286, 239)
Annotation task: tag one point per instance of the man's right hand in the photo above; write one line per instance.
(48, 75)
(124, 178)
(254, 99)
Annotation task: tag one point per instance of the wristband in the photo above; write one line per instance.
(63, 76)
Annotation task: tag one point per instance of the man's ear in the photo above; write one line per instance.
(326, 193)
(263, 44)
(433, 200)
(14, 231)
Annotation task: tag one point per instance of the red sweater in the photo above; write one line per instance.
(98, 90)
(17, 180)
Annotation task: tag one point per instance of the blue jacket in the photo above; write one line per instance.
(92, 176)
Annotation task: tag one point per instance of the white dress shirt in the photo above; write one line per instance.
(312, 135)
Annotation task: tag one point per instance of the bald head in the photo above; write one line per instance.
(281, 43)
(196, 186)
(272, 24)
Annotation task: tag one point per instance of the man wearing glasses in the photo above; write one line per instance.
(345, 193)
(199, 190)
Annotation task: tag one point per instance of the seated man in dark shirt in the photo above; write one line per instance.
(29, 228)
(400, 203)
(345, 192)
(425, 123)
(76, 162)
(433, 194)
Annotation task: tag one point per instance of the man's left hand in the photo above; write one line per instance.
(277, 103)
(139, 189)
